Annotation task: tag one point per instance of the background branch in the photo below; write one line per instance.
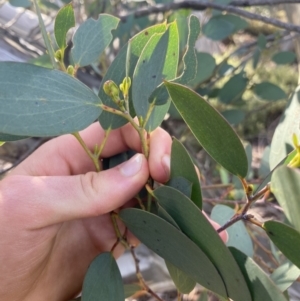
(202, 5)
(260, 2)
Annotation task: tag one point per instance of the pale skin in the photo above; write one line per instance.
(54, 211)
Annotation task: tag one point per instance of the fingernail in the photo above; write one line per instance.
(165, 160)
(133, 166)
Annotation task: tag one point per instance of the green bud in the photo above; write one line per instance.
(71, 70)
(111, 89)
(125, 86)
(58, 55)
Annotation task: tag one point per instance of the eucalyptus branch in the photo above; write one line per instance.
(94, 157)
(141, 278)
(202, 5)
(221, 201)
(247, 3)
(242, 214)
(99, 152)
(233, 220)
(260, 245)
(139, 129)
(120, 238)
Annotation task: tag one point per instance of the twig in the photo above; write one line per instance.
(233, 220)
(261, 2)
(218, 200)
(141, 278)
(202, 5)
(260, 245)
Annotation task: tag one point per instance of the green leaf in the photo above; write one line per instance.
(259, 283)
(238, 234)
(217, 29)
(284, 57)
(190, 57)
(20, 3)
(6, 137)
(183, 282)
(286, 239)
(269, 91)
(117, 73)
(183, 166)
(256, 56)
(282, 143)
(181, 184)
(285, 275)
(158, 115)
(161, 237)
(221, 26)
(36, 101)
(210, 128)
(157, 62)
(162, 213)
(45, 36)
(160, 95)
(65, 20)
(103, 280)
(206, 65)
(131, 289)
(262, 41)
(91, 38)
(234, 116)
(196, 226)
(233, 89)
(285, 186)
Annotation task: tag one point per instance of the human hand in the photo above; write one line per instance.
(54, 211)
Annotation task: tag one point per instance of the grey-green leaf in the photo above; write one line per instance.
(183, 282)
(206, 65)
(157, 62)
(164, 239)
(91, 38)
(183, 166)
(281, 144)
(45, 36)
(65, 20)
(210, 129)
(238, 234)
(6, 137)
(20, 3)
(103, 280)
(160, 95)
(196, 226)
(220, 27)
(284, 57)
(269, 91)
(117, 73)
(190, 57)
(233, 89)
(234, 116)
(36, 101)
(285, 186)
(285, 275)
(286, 239)
(260, 285)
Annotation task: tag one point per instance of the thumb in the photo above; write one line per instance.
(43, 201)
